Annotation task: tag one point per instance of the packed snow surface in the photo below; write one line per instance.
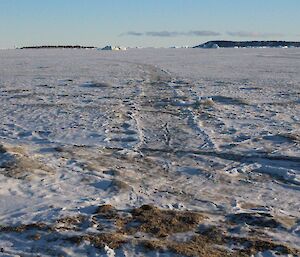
(215, 131)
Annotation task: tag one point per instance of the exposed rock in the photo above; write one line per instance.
(247, 44)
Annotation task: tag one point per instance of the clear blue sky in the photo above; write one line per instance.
(145, 22)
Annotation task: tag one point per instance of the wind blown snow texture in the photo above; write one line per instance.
(216, 131)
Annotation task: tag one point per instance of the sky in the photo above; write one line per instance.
(158, 23)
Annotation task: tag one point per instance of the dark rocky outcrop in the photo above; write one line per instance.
(247, 44)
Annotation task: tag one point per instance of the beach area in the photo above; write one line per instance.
(150, 152)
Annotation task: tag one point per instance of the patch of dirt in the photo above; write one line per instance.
(113, 240)
(206, 246)
(199, 246)
(23, 228)
(196, 246)
(107, 211)
(161, 223)
(17, 163)
(70, 223)
(253, 246)
(159, 228)
(112, 215)
(254, 219)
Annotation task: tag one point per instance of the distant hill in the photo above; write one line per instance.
(58, 46)
(247, 44)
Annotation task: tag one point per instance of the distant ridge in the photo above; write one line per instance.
(58, 46)
(248, 44)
